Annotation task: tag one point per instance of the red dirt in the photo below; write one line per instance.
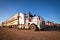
(15, 34)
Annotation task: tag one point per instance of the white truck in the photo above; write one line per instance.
(25, 21)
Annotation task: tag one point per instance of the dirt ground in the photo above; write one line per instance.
(15, 34)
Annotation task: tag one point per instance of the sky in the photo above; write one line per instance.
(48, 9)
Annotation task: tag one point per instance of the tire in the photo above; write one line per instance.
(33, 27)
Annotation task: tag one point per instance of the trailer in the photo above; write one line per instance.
(49, 24)
(25, 21)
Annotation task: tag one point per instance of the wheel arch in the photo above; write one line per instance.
(34, 24)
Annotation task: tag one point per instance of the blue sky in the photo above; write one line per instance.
(48, 9)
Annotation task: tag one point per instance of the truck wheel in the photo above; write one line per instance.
(33, 27)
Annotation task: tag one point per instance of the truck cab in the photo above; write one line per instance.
(37, 23)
